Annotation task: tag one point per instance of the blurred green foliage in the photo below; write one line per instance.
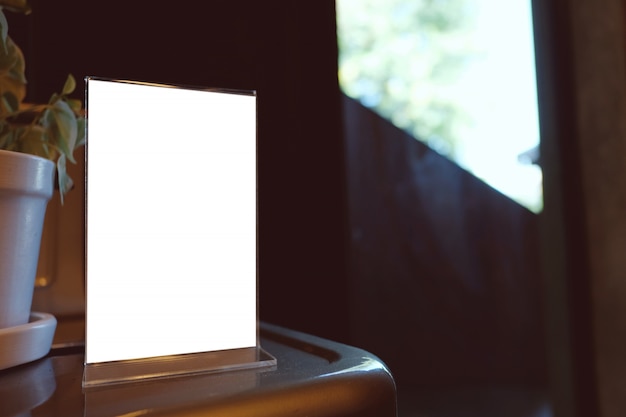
(401, 57)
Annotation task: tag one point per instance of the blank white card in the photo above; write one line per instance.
(171, 221)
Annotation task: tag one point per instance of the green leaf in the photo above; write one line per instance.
(70, 85)
(32, 140)
(4, 31)
(65, 126)
(12, 76)
(7, 139)
(64, 181)
(54, 98)
(82, 132)
(21, 6)
(10, 102)
(75, 104)
(17, 70)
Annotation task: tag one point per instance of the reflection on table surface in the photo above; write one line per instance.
(312, 375)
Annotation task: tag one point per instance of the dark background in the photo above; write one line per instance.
(287, 52)
(366, 236)
(370, 238)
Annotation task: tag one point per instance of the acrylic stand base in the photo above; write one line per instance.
(106, 373)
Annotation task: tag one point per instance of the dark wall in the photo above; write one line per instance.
(444, 271)
(283, 49)
(446, 283)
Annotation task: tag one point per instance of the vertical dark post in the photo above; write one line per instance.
(302, 204)
(582, 102)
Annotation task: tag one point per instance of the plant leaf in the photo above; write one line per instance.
(10, 102)
(75, 104)
(65, 126)
(64, 181)
(12, 78)
(32, 140)
(7, 139)
(21, 6)
(4, 30)
(54, 98)
(69, 86)
(82, 132)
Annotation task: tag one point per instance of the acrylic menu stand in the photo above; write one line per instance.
(171, 256)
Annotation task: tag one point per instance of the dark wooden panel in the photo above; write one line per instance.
(446, 274)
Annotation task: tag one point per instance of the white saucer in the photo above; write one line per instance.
(28, 342)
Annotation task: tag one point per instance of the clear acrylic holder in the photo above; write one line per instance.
(171, 277)
(107, 373)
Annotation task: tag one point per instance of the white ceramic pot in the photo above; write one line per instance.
(26, 185)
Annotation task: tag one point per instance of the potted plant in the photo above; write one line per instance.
(52, 130)
(36, 142)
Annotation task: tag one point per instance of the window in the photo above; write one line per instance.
(456, 74)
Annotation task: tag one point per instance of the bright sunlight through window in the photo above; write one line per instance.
(457, 74)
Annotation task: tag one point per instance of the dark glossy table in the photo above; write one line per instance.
(313, 377)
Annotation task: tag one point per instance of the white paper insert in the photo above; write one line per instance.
(171, 221)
